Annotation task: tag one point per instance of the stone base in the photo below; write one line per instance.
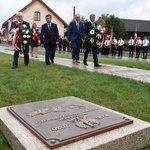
(131, 137)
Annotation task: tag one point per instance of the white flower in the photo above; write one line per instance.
(25, 42)
(99, 27)
(24, 36)
(24, 26)
(98, 36)
(28, 36)
(92, 40)
(27, 31)
(98, 42)
(92, 32)
(23, 30)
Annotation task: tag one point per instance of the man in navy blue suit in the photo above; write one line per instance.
(49, 38)
(88, 26)
(76, 37)
(20, 22)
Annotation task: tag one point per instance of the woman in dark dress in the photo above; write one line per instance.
(34, 40)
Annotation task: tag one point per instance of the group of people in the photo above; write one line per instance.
(77, 34)
(115, 45)
(63, 44)
(137, 44)
(49, 38)
(133, 45)
(76, 37)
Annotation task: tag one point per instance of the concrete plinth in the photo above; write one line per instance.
(130, 137)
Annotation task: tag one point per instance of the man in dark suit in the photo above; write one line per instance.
(88, 26)
(25, 47)
(76, 37)
(49, 38)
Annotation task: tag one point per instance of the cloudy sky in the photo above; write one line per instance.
(127, 9)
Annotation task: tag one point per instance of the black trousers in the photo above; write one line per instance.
(145, 52)
(131, 49)
(94, 52)
(16, 56)
(113, 50)
(49, 52)
(138, 51)
(120, 51)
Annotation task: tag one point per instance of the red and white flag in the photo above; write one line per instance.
(135, 35)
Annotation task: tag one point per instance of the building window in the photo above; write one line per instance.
(37, 16)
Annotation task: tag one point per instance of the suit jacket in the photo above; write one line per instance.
(49, 36)
(88, 27)
(15, 23)
(74, 32)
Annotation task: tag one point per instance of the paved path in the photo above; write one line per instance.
(132, 73)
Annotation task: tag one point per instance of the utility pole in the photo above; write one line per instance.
(74, 11)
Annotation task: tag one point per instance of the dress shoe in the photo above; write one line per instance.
(97, 65)
(77, 61)
(85, 63)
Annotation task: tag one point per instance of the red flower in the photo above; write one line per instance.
(20, 34)
(16, 35)
(35, 36)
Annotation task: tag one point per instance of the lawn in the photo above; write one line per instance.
(39, 82)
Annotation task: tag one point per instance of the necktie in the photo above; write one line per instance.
(78, 24)
(49, 26)
(93, 24)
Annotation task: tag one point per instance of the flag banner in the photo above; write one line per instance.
(135, 36)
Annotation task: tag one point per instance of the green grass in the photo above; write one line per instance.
(39, 82)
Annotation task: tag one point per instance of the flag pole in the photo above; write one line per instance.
(111, 37)
(135, 38)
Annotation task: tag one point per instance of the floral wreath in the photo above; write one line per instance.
(96, 35)
(20, 34)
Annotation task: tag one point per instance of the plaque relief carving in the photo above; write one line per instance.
(50, 120)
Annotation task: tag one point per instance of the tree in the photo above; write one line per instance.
(83, 19)
(115, 24)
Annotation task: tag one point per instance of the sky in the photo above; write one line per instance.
(124, 9)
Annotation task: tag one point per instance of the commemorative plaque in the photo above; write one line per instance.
(62, 121)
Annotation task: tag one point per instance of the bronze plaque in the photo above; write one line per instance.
(61, 121)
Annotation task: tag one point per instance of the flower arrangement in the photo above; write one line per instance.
(35, 35)
(24, 34)
(20, 34)
(95, 35)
